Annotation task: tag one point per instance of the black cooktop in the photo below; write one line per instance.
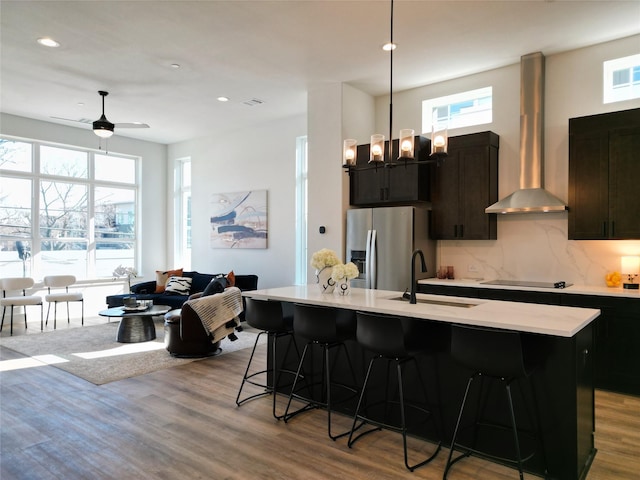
(522, 283)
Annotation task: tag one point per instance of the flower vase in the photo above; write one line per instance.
(343, 287)
(325, 282)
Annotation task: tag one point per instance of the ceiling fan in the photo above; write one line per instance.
(103, 127)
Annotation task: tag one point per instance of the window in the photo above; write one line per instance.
(65, 210)
(301, 211)
(465, 109)
(182, 209)
(621, 79)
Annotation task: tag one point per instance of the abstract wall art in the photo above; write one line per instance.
(239, 219)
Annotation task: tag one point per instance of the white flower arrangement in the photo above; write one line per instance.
(324, 258)
(128, 272)
(348, 271)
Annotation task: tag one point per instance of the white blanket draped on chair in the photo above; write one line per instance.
(216, 311)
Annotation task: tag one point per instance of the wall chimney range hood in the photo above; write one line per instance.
(531, 197)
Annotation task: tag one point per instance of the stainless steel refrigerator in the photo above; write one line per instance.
(381, 241)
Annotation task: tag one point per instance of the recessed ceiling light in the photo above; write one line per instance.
(389, 46)
(223, 99)
(48, 42)
(175, 65)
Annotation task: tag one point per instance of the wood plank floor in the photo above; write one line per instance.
(182, 423)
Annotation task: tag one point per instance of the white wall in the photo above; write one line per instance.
(535, 246)
(260, 158)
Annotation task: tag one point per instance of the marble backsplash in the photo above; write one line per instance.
(534, 247)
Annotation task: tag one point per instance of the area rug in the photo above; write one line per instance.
(93, 354)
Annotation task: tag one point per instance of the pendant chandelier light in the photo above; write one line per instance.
(406, 139)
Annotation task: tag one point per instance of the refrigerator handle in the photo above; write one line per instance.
(367, 261)
(373, 260)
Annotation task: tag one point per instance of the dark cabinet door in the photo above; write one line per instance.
(463, 186)
(604, 173)
(624, 180)
(445, 197)
(405, 185)
(390, 185)
(478, 190)
(368, 187)
(589, 186)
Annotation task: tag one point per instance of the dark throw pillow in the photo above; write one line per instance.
(217, 285)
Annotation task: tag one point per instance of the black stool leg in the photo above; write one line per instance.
(277, 373)
(450, 463)
(538, 422)
(515, 430)
(246, 376)
(411, 468)
(309, 406)
(363, 393)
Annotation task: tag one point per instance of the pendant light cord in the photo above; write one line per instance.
(391, 87)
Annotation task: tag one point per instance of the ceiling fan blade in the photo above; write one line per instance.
(86, 121)
(132, 125)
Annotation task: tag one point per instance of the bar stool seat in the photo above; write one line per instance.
(274, 319)
(499, 356)
(395, 340)
(329, 328)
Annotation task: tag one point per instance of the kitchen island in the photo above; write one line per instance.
(564, 386)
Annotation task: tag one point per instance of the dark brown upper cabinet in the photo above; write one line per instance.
(398, 185)
(463, 186)
(604, 176)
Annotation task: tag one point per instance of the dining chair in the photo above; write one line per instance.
(61, 281)
(16, 284)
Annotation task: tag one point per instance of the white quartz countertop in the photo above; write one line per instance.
(573, 289)
(523, 317)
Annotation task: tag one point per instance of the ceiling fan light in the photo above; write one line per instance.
(103, 132)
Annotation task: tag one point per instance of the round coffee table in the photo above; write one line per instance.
(135, 326)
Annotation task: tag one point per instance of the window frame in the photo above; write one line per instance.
(433, 108)
(182, 212)
(613, 91)
(302, 177)
(34, 265)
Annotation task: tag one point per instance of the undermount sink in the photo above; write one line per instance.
(446, 303)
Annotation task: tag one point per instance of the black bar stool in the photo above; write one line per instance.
(276, 321)
(328, 328)
(395, 340)
(500, 356)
